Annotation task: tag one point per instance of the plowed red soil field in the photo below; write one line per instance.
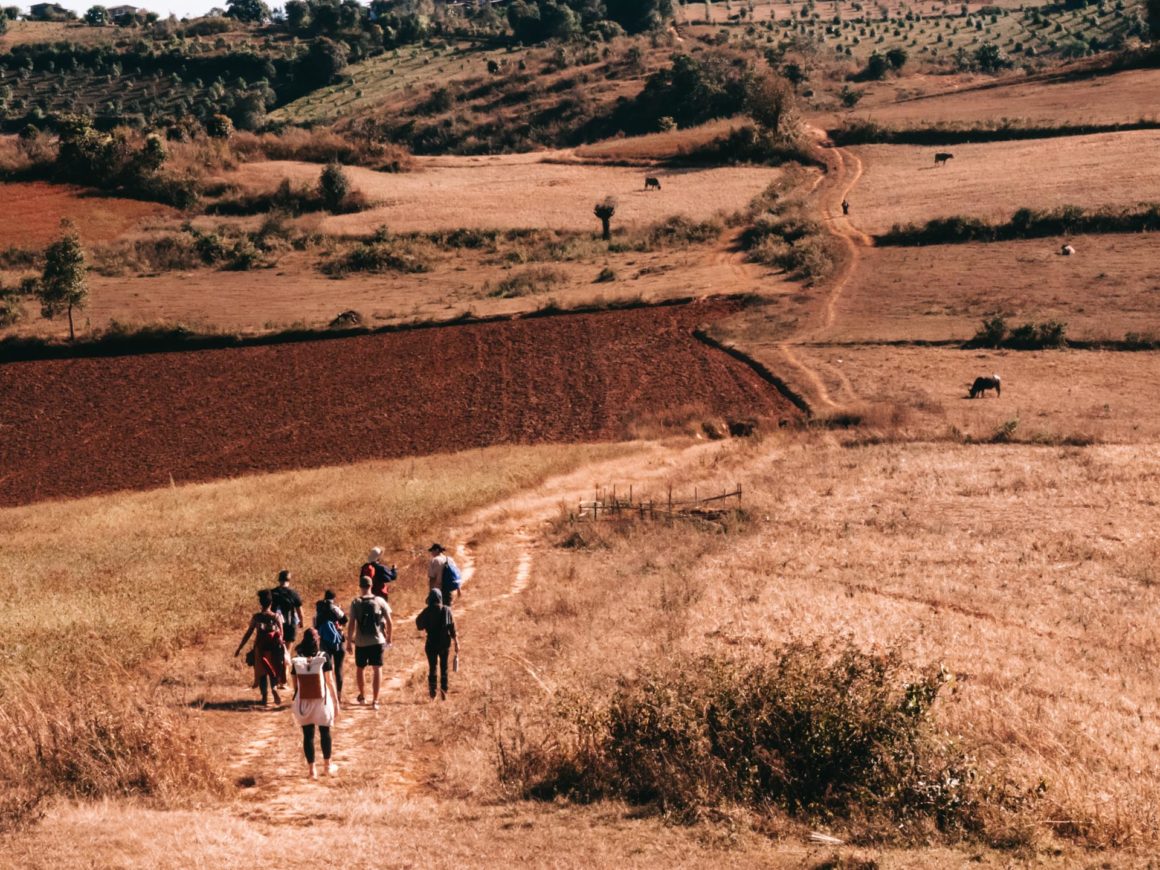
(88, 425)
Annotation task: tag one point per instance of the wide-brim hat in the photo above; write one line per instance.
(435, 548)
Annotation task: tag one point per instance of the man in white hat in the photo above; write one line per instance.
(379, 573)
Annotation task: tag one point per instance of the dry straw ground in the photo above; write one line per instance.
(542, 190)
(1104, 292)
(991, 180)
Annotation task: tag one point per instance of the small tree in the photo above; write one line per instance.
(333, 187)
(253, 11)
(219, 126)
(604, 210)
(897, 57)
(1152, 13)
(63, 286)
(97, 16)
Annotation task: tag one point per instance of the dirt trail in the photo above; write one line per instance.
(834, 188)
(271, 757)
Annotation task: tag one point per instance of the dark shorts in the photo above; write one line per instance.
(289, 633)
(368, 656)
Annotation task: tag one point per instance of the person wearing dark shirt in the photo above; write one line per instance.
(289, 604)
(329, 620)
(436, 619)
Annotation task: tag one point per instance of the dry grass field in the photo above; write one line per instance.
(1108, 99)
(659, 146)
(943, 292)
(542, 190)
(31, 212)
(901, 183)
(1055, 396)
(1012, 566)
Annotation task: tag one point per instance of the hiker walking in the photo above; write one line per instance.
(442, 573)
(329, 620)
(267, 656)
(316, 700)
(369, 616)
(436, 619)
(379, 573)
(845, 206)
(288, 603)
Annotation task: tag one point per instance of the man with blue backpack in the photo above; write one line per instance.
(329, 620)
(443, 574)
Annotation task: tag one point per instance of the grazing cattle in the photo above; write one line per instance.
(981, 385)
(1067, 250)
(651, 183)
(942, 157)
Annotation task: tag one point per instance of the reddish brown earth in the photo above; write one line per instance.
(82, 426)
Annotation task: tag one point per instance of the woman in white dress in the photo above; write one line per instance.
(315, 698)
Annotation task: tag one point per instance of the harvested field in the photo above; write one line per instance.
(83, 426)
(1055, 396)
(295, 293)
(660, 146)
(943, 292)
(31, 212)
(991, 180)
(517, 191)
(1111, 99)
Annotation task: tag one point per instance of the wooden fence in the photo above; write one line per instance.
(610, 504)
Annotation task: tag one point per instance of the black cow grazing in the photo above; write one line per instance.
(651, 183)
(942, 157)
(981, 385)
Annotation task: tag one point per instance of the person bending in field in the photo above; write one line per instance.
(370, 634)
(329, 620)
(316, 702)
(379, 573)
(267, 656)
(437, 620)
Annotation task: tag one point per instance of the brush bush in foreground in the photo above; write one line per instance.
(1027, 223)
(815, 730)
(94, 737)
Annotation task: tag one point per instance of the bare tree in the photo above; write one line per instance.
(605, 210)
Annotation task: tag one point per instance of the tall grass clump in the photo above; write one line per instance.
(383, 252)
(527, 282)
(96, 734)
(818, 731)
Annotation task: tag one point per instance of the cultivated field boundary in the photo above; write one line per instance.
(177, 339)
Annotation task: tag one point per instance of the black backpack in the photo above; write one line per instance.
(369, 618)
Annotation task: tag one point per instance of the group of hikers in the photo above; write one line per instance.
(312, 668)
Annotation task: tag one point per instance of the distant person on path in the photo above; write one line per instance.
(289, 604)
(442, 574)
(316, 700)
(267, 656)
(379, 573)
(845, 206)
(437, 620)
(369, 616)
(329, 620)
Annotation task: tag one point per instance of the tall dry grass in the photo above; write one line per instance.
(101, 586)
(1025, 571)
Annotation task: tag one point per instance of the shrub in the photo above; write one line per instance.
(606, 275)
(528, 282)
(333, 187)
(1028, 336)
(992, 333)
(818, 731)
(382, 253)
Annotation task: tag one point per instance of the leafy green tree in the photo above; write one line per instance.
(1152, 14)
(897, 57)
(325, 60)
(219, 127)
(97, 16)
(989, 59)
(63, 285)
(250, 11)
(876, 67)
(298, 16)
(333, 187)
(637, 15)
(768, 100)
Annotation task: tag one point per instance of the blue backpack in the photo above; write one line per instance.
(452, 578)
(329, 633)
